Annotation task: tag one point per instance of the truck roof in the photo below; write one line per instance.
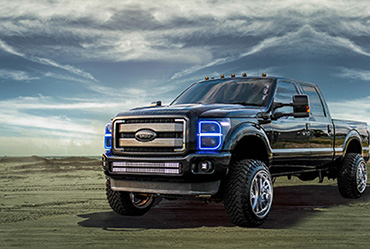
(275, 78)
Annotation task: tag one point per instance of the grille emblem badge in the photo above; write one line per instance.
(145, 135)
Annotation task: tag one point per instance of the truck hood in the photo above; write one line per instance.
(200, 110)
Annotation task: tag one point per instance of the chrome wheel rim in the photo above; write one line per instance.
(261, 194)
(361, 177)
(141, 201)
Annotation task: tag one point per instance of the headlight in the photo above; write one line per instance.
(211, 134)
(108, 136)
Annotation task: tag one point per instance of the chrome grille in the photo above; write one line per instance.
(170, 135)
(146, 168)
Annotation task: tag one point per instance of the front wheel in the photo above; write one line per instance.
(126, 203)
(352, 177)
(248, 193)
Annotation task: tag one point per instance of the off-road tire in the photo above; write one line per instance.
(352, 176)
(121, 202)
(239, 201)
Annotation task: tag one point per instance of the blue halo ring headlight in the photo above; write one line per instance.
(209, 135)
(108, 136)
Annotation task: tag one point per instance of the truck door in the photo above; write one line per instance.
(288, 137)
(320, 127)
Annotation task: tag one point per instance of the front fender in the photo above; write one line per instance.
(243, 130)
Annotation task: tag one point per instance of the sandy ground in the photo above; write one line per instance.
(60, 203)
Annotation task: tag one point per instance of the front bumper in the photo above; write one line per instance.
(188, 181)
(166, 188)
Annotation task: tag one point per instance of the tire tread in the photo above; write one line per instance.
(120, 202)
(234, 196)
(347, 176)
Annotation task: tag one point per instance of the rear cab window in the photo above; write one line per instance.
(316, 106)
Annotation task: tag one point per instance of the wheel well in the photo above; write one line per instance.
(251, 147)
(354, 147)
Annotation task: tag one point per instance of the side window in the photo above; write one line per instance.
(317, 110)
(284, 93)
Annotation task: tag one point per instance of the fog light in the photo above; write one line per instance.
(205, 166)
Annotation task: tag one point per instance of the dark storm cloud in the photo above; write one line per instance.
(187, 32)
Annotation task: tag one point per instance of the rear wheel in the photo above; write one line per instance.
(352, 177)
(126, 203)
(248, 193)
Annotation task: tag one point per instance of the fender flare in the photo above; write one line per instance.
(352, 135)
(243, 130)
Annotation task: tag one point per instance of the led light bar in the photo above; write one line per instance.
(146, 164)
(146, 168)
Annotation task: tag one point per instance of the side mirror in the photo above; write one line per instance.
(301, 108)
(156, 103)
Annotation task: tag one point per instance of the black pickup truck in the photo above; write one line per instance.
(226, 140)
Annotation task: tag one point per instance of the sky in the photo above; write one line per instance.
(68, 67)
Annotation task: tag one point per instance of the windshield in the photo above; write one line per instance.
(233, 91)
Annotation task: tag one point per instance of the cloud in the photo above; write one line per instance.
(351, 73)
(9, 49)
(199, 34)
(5, 47)
(358, 109)
(68, 68)
(305, 40)
(33, 114)
(16, 75)
(65, 77)
(116, 92)
(50, 103)
(59, 115)
(14, 118)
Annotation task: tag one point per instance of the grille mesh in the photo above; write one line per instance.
(169, 135)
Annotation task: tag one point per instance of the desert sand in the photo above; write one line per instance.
(60, 203)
